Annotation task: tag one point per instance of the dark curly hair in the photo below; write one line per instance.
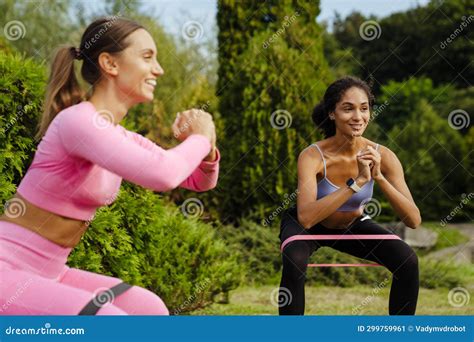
(332, 96)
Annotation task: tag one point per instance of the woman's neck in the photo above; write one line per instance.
(107, 100)
(346, 145)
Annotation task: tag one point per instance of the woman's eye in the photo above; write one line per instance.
(147, 57)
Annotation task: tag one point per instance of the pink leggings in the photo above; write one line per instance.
(35, 280)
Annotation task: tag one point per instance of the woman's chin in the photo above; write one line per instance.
(355, 134)
(145, 99)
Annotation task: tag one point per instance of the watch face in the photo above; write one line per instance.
(350, 181)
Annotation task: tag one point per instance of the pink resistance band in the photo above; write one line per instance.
(340, 237)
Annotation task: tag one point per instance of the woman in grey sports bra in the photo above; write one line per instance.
(335, 180)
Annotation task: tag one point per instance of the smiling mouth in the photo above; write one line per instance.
(151, 83)
(356, 126)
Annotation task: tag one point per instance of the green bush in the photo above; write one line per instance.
(400, 99)
(22, 87)
(258, 248)
(427, 145)
(437, 273)
(147, 242)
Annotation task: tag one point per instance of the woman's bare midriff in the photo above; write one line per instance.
(61, 230)
(341, 219)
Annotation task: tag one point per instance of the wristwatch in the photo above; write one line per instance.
(353, 185)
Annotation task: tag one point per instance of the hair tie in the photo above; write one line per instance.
(76, 52)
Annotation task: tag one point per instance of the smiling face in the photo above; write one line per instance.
(352, 112)
(137, 68)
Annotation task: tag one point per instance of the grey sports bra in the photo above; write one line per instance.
(325, 187)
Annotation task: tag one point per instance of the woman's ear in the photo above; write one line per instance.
(108, 64)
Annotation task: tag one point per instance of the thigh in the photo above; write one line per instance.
(134, 301)
(289, 227)
(25, 293)
(389, 253)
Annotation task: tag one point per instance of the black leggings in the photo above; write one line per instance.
(395, 255)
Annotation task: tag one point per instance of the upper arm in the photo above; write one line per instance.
(309, 164)
(144, 142)
(203, 178)
(393, 171)
(113, 149)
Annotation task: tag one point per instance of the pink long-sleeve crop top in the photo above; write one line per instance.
(81, 160)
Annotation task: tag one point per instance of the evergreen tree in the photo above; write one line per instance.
(272, 72)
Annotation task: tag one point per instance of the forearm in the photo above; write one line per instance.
(205, 176)
(312, 213)
(405, 209)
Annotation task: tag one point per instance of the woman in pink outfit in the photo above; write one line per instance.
(80, 162)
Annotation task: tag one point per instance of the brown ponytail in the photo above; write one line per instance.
(107, 34)
(63, 88)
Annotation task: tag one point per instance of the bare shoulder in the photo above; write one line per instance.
(383, 150)
(388, 157)
(310, 157)
(389, 160)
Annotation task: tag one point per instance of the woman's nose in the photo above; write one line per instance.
(158, 70)
(357, 114)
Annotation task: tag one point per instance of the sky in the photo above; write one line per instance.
(174, 14)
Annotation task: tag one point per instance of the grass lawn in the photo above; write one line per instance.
(447, 237)
(325, 300)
